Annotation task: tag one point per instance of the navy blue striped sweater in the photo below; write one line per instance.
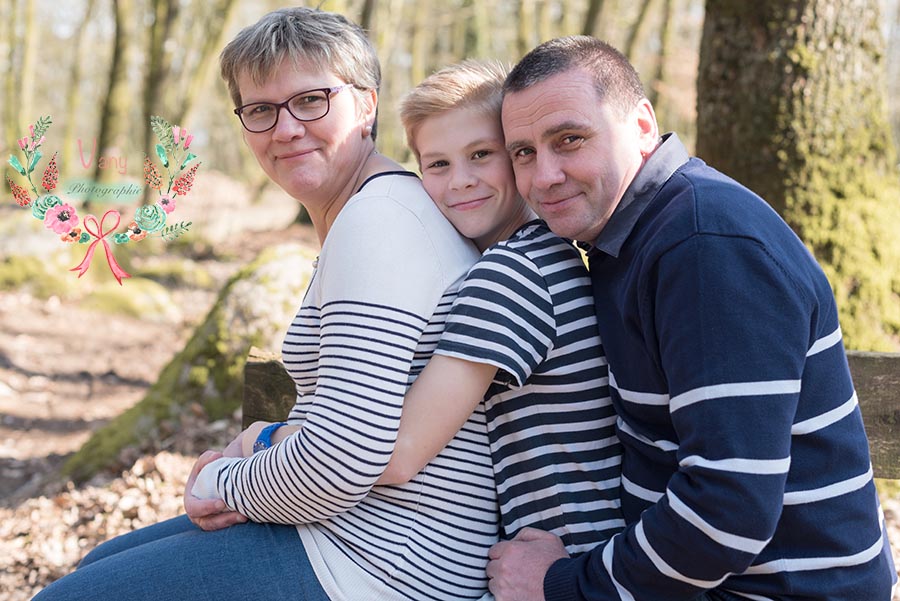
(746, 466)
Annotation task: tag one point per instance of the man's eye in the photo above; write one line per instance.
(523, 153)
(572, 139)
(259, 109)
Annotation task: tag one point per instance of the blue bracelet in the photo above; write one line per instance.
(264, 440)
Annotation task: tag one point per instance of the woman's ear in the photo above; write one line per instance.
(368, 108)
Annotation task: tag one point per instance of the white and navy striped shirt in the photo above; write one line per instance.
(387, 275)
(527, 308)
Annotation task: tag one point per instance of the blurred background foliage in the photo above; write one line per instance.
(102, 67)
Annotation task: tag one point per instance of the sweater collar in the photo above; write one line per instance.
(659, 167)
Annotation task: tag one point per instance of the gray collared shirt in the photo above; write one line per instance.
(665, 160)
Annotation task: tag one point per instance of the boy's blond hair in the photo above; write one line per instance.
(470, 84)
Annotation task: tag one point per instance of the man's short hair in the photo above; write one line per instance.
(474, 84)
(615, 79)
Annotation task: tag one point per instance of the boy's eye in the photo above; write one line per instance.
(436, 164)
(480, 154)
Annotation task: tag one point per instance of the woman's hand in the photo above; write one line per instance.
(235, 447)
(208, 514)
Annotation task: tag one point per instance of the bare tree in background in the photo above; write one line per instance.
(595, 7)
(114, 117)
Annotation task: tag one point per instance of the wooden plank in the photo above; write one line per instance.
(876, 377)
(269, 391)
(269, 394)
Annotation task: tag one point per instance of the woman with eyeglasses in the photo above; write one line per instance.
(301, 516)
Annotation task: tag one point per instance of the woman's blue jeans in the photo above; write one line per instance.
(176, 560)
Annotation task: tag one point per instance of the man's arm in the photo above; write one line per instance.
(731, 344)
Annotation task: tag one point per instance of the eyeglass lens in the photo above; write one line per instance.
(305, 106)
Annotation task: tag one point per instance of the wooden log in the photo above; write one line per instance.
(269, 391)
(877, 380)
(269, 394)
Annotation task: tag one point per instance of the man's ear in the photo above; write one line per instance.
(648, 129)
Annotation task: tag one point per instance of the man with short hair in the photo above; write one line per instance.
(746, 471)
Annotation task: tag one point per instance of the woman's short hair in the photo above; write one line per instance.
(615, 79)
(303, 36)
(470, 84)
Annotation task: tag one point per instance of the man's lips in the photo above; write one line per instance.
(553, 203)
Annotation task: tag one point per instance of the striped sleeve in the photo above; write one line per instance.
(376, 288)
(503, 315)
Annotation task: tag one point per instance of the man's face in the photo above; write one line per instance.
(574, 156)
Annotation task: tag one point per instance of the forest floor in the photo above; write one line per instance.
(64, 372)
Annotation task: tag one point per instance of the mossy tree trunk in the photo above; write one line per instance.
(253, 309)
(791, 104)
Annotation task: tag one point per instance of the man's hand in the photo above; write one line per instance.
(208, 514)
(517, 567)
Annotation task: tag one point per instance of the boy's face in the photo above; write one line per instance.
(468, 174)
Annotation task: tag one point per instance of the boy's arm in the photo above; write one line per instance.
(434, 409)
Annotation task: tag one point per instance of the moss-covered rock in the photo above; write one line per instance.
(141, 298)
(176, 272)
(42, 277)
(253, 309)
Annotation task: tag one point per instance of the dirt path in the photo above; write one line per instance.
(65, 371)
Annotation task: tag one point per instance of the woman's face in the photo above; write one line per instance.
(468, 174)
(310, 160)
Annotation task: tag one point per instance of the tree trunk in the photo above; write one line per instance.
(590, 19)
(27, 72)
(545, 21)
(893, 77)
(635, 29)
(11, 106)
(114, 120)
(526, 26)
(664, 42)
(164, 15)
(73, 98)
(791, 104)
(365, 17)
(196, 81)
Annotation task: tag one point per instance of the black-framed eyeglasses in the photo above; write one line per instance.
(309, 105)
